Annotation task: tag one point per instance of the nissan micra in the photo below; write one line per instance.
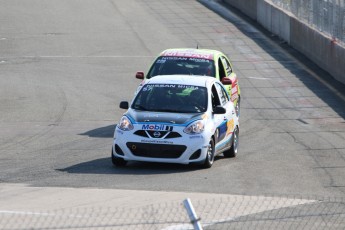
(206, 62)
(177, 119)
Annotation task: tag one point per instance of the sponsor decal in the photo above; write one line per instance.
(189, 54)
(230, 126)
(195, 137)
(200, 60)
(157, 142)
(155, 127)
(151, 86)
(119, 131)
(178, 58)
(234, 97)
(234, 90)
(163, 86)
(175, 58)
(188, 87)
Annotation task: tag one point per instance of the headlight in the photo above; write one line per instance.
(125, 124)
(195, 128)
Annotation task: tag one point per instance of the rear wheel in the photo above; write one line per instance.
(232, 152)
(117, 161)
(210, 155)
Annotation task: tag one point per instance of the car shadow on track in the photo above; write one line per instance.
(104, 166)
(102, 132)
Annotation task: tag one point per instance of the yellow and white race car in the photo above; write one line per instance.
(201, 62)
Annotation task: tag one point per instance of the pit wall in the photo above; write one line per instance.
(318, 47)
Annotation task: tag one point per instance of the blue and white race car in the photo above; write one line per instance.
(177, 119)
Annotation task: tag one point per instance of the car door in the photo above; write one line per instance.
(222, 120)
(233, 89)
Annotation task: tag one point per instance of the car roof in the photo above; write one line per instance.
(190, 52)
(194, 80)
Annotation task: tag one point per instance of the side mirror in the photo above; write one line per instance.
(219, 110)
(226, 81)
(124, 105)
(140, 75)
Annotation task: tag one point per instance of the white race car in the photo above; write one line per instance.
(177, 119)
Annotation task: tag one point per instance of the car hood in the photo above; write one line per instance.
(163, 117)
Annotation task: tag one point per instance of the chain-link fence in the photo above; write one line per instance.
(327, 16)
(233, 212)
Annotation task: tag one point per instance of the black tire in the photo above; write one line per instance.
(232, 152)
(237, 107)
(210, 155)
(117, 161)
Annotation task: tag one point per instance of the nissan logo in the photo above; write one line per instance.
(156, 134)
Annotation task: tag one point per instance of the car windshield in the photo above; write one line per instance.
(173, 98)
(182, 65)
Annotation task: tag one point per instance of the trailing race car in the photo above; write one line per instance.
(177, 119)
(202, 62)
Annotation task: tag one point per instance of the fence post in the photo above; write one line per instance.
(192, 215)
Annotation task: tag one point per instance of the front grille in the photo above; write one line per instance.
(173, 135)
(151, 134)
(141, 133)
(160, 134)
(156, 150)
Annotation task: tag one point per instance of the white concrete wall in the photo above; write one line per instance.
(318, 47)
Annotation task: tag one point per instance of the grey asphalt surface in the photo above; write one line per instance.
(65, 65)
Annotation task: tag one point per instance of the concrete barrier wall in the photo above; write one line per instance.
(319, 48)
(248, 7)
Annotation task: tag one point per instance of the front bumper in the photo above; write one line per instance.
(181, 149)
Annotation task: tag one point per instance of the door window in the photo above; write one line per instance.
(223, 96)
(227, 65)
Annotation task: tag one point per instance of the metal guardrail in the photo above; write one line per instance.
(327, 16)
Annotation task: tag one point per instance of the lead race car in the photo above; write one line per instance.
(177, 119)
(204, 62)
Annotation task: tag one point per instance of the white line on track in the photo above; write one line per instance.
(259, 78)
(28, 213)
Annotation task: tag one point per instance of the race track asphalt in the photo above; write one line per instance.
(66, 64)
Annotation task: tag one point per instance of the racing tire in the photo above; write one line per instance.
(232, 152)
(117, 161)
(210, 155)
(237, 107)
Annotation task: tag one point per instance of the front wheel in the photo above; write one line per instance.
(232, 152)
(210, 155)
(117, 161)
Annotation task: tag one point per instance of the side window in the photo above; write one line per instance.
(223, 96)
(221, 69)
(226, 65)
(215, 97)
